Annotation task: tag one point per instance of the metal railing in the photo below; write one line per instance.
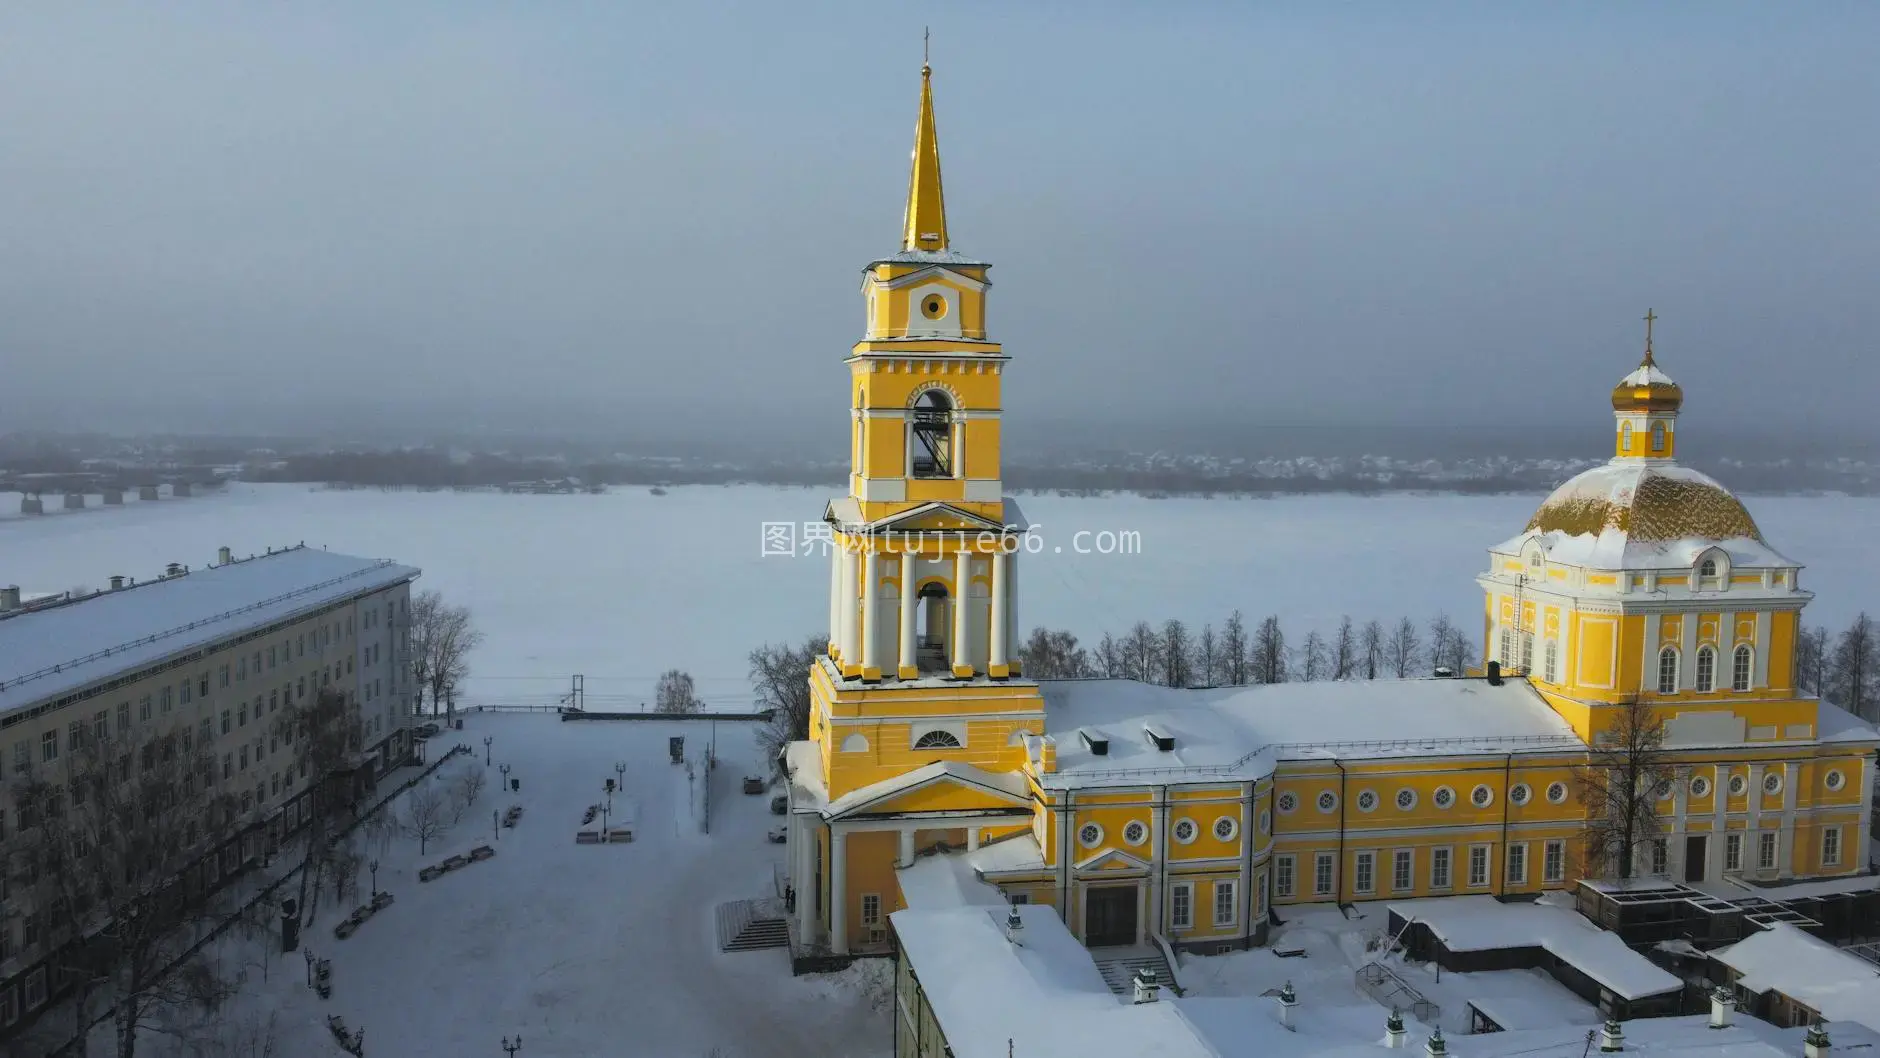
(1358, 748)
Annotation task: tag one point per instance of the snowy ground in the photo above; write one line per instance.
(582, 949)
(624, 585)
(1336, 946)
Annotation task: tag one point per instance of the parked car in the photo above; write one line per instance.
(778, 835)
(780, 805)
(753, 784)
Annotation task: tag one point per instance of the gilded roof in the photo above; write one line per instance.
(1649, 504)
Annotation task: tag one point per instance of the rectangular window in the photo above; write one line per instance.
(1478, 866)
(871, 909)
(241, 669)
(226, 716)
(35, 988)
(224, 676)
(124, 718)
(244, 758)
(163, 700)
(1554, 861)
(1733, 852)
(143, 708)
(9, 999)
(1831, 847)
(1364, 872)
(182, 693)
(270, 658)
(241, 716)
(1283, 867)
(1226, 902)
(74, 734)
(202, 686)
(101, 727)
(1181, 905)
(274, 698)
(49, 746)
(1402, 868)
(1322, 874)
(1660, 856)
(1439, 868)
(1517, 864)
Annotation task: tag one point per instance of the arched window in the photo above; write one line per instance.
(932, 450)
(1707, 568)
(1668, 671)
(1625, 437)
(1706, 669)
(1527, 652)
(1740, 668)
(1550, 663)
(1658, 437)
(937, 740)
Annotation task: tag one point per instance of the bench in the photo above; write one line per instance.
(587, 837)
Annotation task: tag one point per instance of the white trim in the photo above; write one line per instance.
(881, 490)
(981, 490)
(1186, 889)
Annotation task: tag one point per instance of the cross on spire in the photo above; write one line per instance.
(1650, 318)
(926, 36)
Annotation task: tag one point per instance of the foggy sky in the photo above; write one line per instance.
(1279, 219)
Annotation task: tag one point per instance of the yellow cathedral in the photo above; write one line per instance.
(1146, 814)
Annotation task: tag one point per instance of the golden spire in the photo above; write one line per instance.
(1650, 318)
(926, 220)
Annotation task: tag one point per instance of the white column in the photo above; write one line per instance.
(1649, 677)
(962, 594)
(1687, 646)
(1785, 845)
(1761, 649)
(907, 847)
(972, 840)
(996, 644)
(835, 599)
(910, 603)
(838, 890)
(1864, 835)
(851, 627)
(1752, 839)
(804, 877)
(871, 615)
(1011, 598)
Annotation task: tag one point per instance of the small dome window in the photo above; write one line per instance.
(1658, 437)
(1625, 437)
(937, 740)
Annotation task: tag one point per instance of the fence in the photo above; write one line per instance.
(1382, 984)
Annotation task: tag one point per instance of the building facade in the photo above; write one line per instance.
(209, 656)
(1145, 813)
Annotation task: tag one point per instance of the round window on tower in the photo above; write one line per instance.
(933, 306)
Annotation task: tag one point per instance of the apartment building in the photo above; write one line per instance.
(207, 655)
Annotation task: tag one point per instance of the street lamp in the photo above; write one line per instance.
(504, 769)
(487, 739)
(373, 866)
(512, 1048)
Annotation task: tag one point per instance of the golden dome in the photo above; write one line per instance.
(1649, 504)
(1647, 389)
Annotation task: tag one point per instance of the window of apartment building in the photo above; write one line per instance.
(202, 686)
(205, 731)
(225, 721)
(7, 1014)
(257, 662)
(1517, 863)
(349, 667)
(183, 693)
(241, 669)
(1554, 861)
(1181, 905)
(271, 658)
(123, 719)
(274, 698)
(1283, 873)
(1322, 874)
(1831, 847)
(101, 727)
(1478, 866)
(223, 680)
(248, 801)
(300, 687)
(1661, 853)
(143, 709)
(22, 756)
(300, 645)
(163, 700)
(1226, 902)
(241, 716)
(1733, 852)
(1364, 872)
(74, 734)
(3, 837)
(148, 756)
(228, 765)
(35, 988)
(49, 746)
(244, 758)
(9, 996)
(29, 931)
(274, 784)
(1439, 869)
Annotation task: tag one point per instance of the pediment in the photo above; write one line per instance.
(950, 788)
(1112, 861)
(934, 518)
(935, 272)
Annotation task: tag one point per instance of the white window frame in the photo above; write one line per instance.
(1550, 662)
(1742, 667)
(1668, 654)
(1181, 905)
(1364, 872)
(1227, 896)
(1733, 852)
(871, 921)
(1554, 860)
(1324, 874)
(1516, 858)
(1285, 875)
(1660, 852)
(1831, 846)
(1767, 850)
(1481, 865)
(1403, 870)
(1442, 867)
(1706, 678)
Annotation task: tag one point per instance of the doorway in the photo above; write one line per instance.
(1110, 916)
(1696, 849)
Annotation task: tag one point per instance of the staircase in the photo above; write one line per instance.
(750, 925)
(1119, 965)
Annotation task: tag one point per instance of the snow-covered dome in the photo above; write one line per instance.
(1632, 514)
(1647, 389)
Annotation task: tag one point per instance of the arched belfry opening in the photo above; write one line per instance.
(930, 634)
(933, 435)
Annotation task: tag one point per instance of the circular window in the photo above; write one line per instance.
(1134, 832)
(1662, 789)
(1266, 821)
(1700, 787)
(1557, 793)
(1090, 835)
(1328, 801)
(1406, 799)
(1367, 800)
(1738, 786)
(1520, 793)
(1836, 780)
(933, 306)
(1481, 797)
(1444, 797)
(1288, 801)
(1772, 782)
(1184, 830)
(1226, 827)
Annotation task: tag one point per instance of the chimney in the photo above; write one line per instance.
(1435, 1047)
(1047, 754)
(1147, 986)
(1815, 1044)
(223, 557)
(1722, 1003)
(174, 569)
(1494, 674)
(1611, 1037)
(117, 582)
(1393, 1030)
(1288, 1000)
(10, 597)
(1014, 926)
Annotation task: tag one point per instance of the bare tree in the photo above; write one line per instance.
(1449, 648)
(324, 734)
(466, 785)
(108, 848)
(1312, 662)
(675, 693)
(1108, 659)
(1053, 654)
(344, 866)
(1403, 651)
(1175, 648)
(1626, 771)
(1207, 661)
(1142, 653)
(1234, 651)
(1854, 668)
(471, 780)
(424, 816)
(1344, 650)
(380, 828)
(780, 680)
(1371, 650)
(1811, 655)
(442, 637)
(1267, 658)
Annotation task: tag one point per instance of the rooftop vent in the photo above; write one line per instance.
(223, 556)
(175, 569)
(10, 597)
(1099, 746)
(1444, 672)
(1158, 737)
(117, 582)
(1494, 674)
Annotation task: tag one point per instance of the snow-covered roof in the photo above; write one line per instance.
(1839, 986)
(1041, 997)
(1483, 923)
(1237, 734)
(1835, 724)
(1020, 852)
(929, 257)
(1645, 514)
(937, 883)
(52, 651)
(1647, 375)
(1010, 783)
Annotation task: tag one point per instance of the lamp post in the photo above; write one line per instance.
(620, 769)
(496, 827)
(512, 1048)
(373, 866)
(504, 769)
(487, 739)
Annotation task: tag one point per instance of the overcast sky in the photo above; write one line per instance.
(1282, 217)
